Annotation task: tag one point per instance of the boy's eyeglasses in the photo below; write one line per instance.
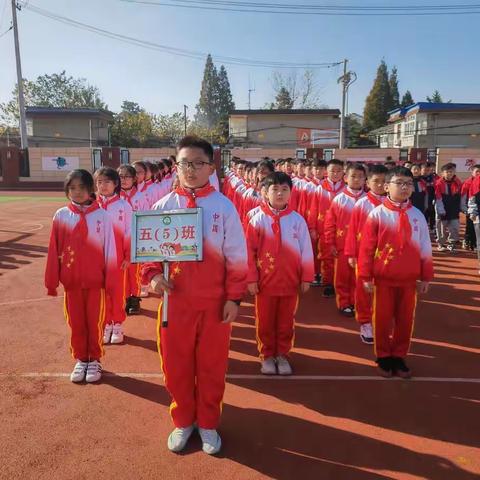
(183, 165)
(123, 177)
(403, 184)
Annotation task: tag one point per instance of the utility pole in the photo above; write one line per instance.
(21, 100)
(346, 80)
(185, 119)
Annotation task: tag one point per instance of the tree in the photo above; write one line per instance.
(169, 127)
(283, 99)
(131, 107)
(407, 99)
(356, 133)
(132, 127)
(394, 93)
(379, 100)
(302, 92)
(55, 90)
(225, 100)
(207, 107)
(436, 98)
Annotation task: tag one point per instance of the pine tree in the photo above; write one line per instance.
(283, 99)
(379, 100)
(435, 98)
(394, 93)
(207, 107)
(407, 99)
(225, 100)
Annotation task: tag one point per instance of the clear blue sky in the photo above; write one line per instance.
(429, 52)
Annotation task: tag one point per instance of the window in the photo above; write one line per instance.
(410, 126)
(238, 126)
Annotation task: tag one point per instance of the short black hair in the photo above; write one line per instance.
(111, 174)
(428, 164)
(476, 167)
(398, 171)
(376, 170)
(355, 166)
(277, 178)
(335, 161)
(390, 162)
(192, 141)
(449, 166)
(79, 174)
(267, 164)
(318, 162)
(141, 164)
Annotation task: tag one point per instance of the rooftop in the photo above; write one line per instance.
(288, 111)
(49, 111)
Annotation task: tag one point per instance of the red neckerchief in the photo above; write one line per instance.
(346, 191)
(142, 186)
(192, 195)
(267, 209)
(404, 228)
(105, 203)
(455, 186)
(128, 194)
(326, 185)
(374, 200)
(80, 230)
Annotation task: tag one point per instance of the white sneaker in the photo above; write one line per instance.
(441, 248)
(117, 333)
(211, 441)
(366, 333)
(268, 366)
(178, 438)
(94, 371)
(107, 333)
(79, 371)
(283, 365)
(143, 291)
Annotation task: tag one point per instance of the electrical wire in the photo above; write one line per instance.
(4, 33)
(177, 51)
(325, 10)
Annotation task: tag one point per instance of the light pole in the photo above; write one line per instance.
(21, 100)
(185, 119)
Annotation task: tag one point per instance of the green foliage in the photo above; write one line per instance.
(394, 93)
(55, 90)
(436, 98)
(379, 100)
(356, 133)
(407, 99)
(283, 99)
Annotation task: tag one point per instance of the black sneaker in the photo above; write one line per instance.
(134, 307)
(385, 367)
(127, 305)
(329, 291)
(400, 368)
(317, 281)
(348, 311)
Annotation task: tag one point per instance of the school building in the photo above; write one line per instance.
(430, 126)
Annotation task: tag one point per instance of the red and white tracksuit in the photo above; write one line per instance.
(280, 258)
(360, 212)
(336, 227)
(120, 213)
(82, 257)
(139, 203)
(324, 194)
(194, 347)
(395, 252)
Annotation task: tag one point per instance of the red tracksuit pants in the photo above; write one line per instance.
(194, 355)
(344, 281)
(326, 262)
(316, 258)
(133, 281)
(85, 314)
(363, 303)
(275, 324)
(115, 306)
(393, 315)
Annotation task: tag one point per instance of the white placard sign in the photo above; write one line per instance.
(465, 165)
(167, 236)
(60, 164)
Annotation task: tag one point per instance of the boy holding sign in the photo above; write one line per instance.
(203, 301)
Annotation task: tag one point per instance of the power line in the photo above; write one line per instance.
(173, 50)
(324, 10)
(6, 31)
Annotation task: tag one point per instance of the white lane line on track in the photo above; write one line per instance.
(29, 300)
(255, 377)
